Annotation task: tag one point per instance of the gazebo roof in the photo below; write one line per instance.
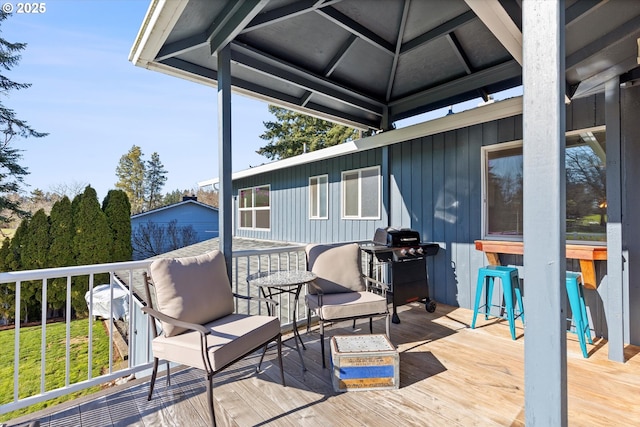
(370, 63)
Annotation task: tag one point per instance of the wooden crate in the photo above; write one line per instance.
(364, 362)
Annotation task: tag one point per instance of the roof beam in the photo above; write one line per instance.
(595, 83)
(291, 74)
(230, 15)
(498, 21)
(182, 46)
(339, 56)
(269, 95)
(462, 57)
(343, 21)
(282, 13)
(234, 18)
(439, 31)
(628, 30)
(396, 56)
(469, 83)
(626, 33)
(580, 8)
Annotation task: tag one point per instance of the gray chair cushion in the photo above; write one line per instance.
(231, 337)
(337, 267)
(347, 304)
(192, 289)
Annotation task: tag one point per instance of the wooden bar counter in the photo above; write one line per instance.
(586, 254)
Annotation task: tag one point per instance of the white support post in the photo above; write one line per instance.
(544, 213)
(614, 309)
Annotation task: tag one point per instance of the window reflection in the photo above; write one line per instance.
(585, 163)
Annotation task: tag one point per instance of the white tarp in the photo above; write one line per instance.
(101, 297)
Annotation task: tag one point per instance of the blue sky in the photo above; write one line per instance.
(96, 105)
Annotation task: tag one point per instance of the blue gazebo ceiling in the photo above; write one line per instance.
(369, 63)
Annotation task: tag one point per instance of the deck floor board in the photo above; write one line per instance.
(449, 375)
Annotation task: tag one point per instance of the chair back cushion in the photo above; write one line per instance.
(192, 289)
(337, 267)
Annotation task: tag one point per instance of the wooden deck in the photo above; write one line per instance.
(449, 375)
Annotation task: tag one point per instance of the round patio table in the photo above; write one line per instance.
(274, 283)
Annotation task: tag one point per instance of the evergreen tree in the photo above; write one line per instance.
(62, 232)
(11, 173)
(61, 252)
(173, 197)
(7, 290)
(14, 258)
(34, 256)
(117, 208)
(155, 178)
(92, 240)
(14, 263)
(36, 245)
(131, 174)
(92, 243)
(292, 132)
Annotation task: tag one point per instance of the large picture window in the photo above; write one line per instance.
(361, 193)
(585, 162)
(318, 197)
(255, 208)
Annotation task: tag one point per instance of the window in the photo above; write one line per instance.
(585, 162)
(361, 193)
(255, 208)
(318, 197)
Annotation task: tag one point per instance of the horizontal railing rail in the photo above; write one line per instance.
(138, 350)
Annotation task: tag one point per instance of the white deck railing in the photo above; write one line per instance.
(139, 353)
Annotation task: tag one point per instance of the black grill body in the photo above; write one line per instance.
(398, 257)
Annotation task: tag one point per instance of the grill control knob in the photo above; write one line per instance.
(420, 251)
(403, 252)
(412, 251)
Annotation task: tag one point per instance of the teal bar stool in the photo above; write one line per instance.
(575, 294)
(510, 284)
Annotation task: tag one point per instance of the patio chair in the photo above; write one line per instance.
(340, 291)
(195, 307)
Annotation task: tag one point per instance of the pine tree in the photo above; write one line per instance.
(131, 174)
(155, 178)
(117, 208)
(173, 197)
(292, 132)
(11, 173)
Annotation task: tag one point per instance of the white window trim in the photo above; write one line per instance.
(484, 179)
(485, 150)
(344, 193)
(253, 208)
(317, 177)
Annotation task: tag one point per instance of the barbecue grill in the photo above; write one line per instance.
(398, 255)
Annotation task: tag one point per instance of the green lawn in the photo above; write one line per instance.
(30, 361)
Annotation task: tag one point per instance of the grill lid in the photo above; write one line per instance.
(396, 237)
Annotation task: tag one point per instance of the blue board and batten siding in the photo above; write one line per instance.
(289, 194)
(203, 218)
(431, 184)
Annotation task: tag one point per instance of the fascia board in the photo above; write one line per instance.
(495, 111)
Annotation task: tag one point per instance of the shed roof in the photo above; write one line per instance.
(173, 206)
